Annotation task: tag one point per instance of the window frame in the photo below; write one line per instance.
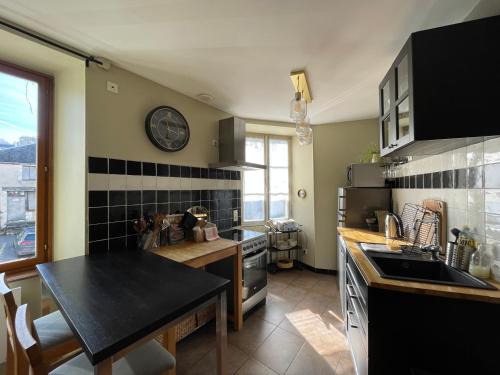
(266, 138)
(44, 163)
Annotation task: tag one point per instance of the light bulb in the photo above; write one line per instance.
(298, 107)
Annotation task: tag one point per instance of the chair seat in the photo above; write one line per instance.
(148, 359)
(52, 330)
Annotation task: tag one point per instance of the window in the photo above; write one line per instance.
(29, 172)
(25, 129)
(266, 192)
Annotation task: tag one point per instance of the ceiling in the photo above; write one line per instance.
(241, 51)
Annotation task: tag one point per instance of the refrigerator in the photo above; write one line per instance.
(355, 204)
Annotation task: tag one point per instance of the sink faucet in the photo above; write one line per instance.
(433, 250)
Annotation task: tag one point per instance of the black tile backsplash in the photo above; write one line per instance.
(162, 170)
(98, 165)
(148, 169)
(420, 181)
(448, 179)
(475, 178)
(111, 212)
(175, 171)
(117, 166)
(98, 198)
(117, 197)
(436, 180)
(480, 177)
(134, 168)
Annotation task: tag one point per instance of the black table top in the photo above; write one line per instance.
(111, 301)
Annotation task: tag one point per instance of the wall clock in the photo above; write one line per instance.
(167, 129)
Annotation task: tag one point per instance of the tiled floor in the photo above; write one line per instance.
(299, 331)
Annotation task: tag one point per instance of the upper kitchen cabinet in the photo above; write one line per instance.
(442, 90)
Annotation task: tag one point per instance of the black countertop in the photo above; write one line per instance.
(111, 301)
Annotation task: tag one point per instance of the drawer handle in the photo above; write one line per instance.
(351, 292)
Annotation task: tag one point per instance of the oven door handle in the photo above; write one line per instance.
(252, 258)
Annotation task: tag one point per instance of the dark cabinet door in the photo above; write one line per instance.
(396, 118)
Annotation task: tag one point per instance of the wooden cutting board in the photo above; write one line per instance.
(439, 207)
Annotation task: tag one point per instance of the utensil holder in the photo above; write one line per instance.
(451, 248)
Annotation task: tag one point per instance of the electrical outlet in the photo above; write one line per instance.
(112, 87)
(235, 215)
(304, 251)
(215, 143)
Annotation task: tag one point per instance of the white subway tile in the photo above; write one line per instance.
(162, 183)
(174, 183)
(475, 200)
(98, 181)
(196, 184)
(134, 182)
(492, 226)
(492, 201)
(185, 184)
(459, 158)
(149, 182)
(117, 182)
(475, 155)
(475, 222)
(492, 151)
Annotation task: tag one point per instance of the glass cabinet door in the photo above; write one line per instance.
(403, 118)
(402, 77)
(386, 98)
(387, 131)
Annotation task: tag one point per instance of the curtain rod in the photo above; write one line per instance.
(4, 24)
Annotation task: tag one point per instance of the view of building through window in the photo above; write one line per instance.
(18, 172)
(266, 192)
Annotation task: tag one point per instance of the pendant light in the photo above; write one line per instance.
(298, 105)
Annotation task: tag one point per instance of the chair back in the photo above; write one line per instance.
(28, 343)
(10, 307)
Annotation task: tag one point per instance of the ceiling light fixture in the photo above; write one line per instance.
(207, 98)
(298, 107)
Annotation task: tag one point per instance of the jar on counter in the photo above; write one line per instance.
(480, 262)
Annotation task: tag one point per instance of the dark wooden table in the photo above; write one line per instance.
(116, 302)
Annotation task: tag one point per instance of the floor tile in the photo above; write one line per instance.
(255, 331)
(279, 350)
(207, 365)
(254, 367)
(309, 361)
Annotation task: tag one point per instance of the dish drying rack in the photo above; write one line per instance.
(420, 228)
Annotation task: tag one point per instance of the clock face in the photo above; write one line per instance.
(167, 129)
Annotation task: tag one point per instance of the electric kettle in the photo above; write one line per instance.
(393, 226)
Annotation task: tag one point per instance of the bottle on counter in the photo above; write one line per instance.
(480, 262)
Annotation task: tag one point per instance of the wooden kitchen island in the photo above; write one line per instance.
(201, 254)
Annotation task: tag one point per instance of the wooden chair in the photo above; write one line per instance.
(148, 359)
(57, 340)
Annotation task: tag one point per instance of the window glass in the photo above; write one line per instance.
(266, 192)
(18, 150)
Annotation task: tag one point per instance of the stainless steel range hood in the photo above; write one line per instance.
(232, 146)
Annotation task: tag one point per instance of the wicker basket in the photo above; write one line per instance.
(191, 324)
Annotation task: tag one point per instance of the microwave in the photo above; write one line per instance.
(365, 175)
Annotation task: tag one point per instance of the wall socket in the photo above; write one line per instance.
(112, 87)
(235, 215)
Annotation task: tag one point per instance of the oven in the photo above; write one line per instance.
(254, 278)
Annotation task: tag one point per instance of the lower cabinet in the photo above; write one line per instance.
(398, 333)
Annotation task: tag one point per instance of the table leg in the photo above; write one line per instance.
(221, 332)
(237, 297)
(104, 368)
(169, 343)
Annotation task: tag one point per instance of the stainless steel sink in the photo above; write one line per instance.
(413, 268)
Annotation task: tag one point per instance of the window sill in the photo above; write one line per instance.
(23, 274)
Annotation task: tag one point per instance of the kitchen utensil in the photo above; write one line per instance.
(439, 207)
(393, 226)
(456, 233)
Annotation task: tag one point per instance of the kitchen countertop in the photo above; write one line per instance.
(353, 236)
(190, 252)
